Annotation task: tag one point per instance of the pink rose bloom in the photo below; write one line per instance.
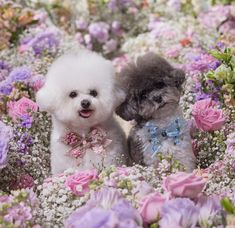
(79, 182)
(207, 116)
(21, 107)
(184, 184)
(37, 82)
(150, 207)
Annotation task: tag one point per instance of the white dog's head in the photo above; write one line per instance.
(80, 90)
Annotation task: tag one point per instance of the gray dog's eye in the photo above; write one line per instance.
(73, 94)
(158, 99)
(143, 95)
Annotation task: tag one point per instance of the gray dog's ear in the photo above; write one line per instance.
(178, 77)
(126, 111)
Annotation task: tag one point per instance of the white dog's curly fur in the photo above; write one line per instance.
(85, 78)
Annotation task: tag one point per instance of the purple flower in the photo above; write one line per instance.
(46, 41)
(25, 140)
(174, 4)
(119, 4)
(18, 214)
(110, 46)
(106, 208)
(230, 142)
(4, 70)
(99, 31)
(5, 87)
(5, 136)
(209, 208)
(81, 24)
(180, 212)
(117, 28)
(22, 74)
(26, 121)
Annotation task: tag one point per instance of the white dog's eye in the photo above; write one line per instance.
(93, 93)
(73, 94)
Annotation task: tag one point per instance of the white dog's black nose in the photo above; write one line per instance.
(85, 103)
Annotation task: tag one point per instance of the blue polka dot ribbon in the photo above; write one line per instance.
(157, 135)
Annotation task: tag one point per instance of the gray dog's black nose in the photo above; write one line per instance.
(85, 103)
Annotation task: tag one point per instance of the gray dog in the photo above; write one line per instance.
(153, 89)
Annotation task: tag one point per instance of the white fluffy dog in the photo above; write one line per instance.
(81, 94)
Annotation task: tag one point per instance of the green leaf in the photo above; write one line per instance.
(228, 205)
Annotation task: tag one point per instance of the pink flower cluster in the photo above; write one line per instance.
(207, 116)
(79, 182)
(24, 106)
(185, 185)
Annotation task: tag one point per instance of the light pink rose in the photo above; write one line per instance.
(207, 116)
(184, 184)
(79, 182)
(21, 107)
(150, 207)
(37, 82)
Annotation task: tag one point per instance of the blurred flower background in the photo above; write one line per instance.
(197, 36)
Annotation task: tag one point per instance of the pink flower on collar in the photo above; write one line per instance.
(95, 140)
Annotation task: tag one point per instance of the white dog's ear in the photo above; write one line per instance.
(46, 98)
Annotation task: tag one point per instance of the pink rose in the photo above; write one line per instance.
(184, 184)
(207, 116)
(79, 182)
(21, 107)
(37, 82)
(150, 207)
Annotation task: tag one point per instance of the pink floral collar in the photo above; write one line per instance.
(95, 140)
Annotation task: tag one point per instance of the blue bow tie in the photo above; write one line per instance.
(158, 135)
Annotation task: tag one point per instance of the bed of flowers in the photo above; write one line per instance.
(197, 36)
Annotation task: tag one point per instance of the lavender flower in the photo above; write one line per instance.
(119, 4)
(99, 31)
(25, 140)
(4, 70)
(117, 28)
(110, 46)
(18, 214)
(81, 24)
(5, 136)
(209, 208)
(106, 208)
(20, 74)
(5, 87)
(44, 41)
(26, 121)
(179, 212)
(230, 142)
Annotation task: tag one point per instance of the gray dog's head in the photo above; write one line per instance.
(150, 84)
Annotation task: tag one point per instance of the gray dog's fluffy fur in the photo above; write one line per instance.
(153, 89)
